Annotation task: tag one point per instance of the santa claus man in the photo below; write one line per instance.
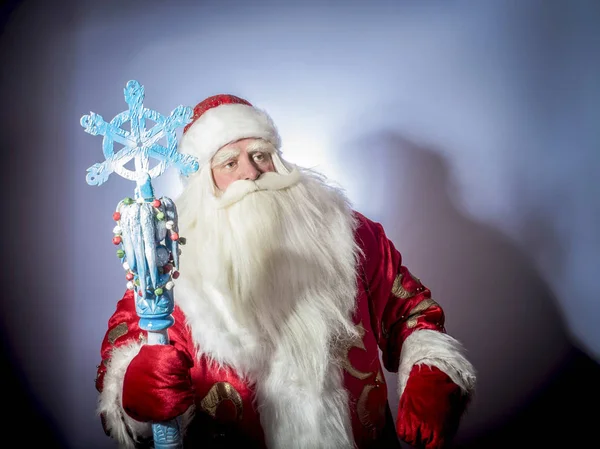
(289, 306)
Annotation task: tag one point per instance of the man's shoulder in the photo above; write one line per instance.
(363, 221)
(366, 231)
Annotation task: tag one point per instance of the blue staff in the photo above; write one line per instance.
(146, 230)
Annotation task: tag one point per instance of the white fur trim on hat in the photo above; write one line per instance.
(225, 124)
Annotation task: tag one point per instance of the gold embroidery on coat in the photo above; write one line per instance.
(415, 313)
(345, 350)
(361, 407)
(116, 332)
(219, 392)
(364, 416)
(398, 290)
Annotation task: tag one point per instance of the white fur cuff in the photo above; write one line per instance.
(437, 349)
(119, 425)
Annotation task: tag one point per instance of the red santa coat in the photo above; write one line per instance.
(394, 313)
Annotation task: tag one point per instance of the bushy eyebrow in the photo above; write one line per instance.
(260, 146)
(224, 155)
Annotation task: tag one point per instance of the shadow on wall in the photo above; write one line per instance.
(495, 301)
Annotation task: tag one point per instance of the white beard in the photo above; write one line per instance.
(268, 285)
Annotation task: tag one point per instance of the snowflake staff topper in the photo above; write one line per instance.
(138, 143)
(147, 229)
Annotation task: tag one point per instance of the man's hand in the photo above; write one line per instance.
(430, 409)
(157, 385)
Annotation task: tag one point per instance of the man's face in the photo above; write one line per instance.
(244, 159)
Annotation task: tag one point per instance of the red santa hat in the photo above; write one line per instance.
(222, 119)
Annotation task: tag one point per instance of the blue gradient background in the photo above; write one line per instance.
(468, 129)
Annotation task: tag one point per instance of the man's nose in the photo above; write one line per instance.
(249, 171)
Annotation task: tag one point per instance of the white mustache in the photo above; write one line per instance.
(267, 181)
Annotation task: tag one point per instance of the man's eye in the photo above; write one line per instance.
(259, 157)
(230, 164)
